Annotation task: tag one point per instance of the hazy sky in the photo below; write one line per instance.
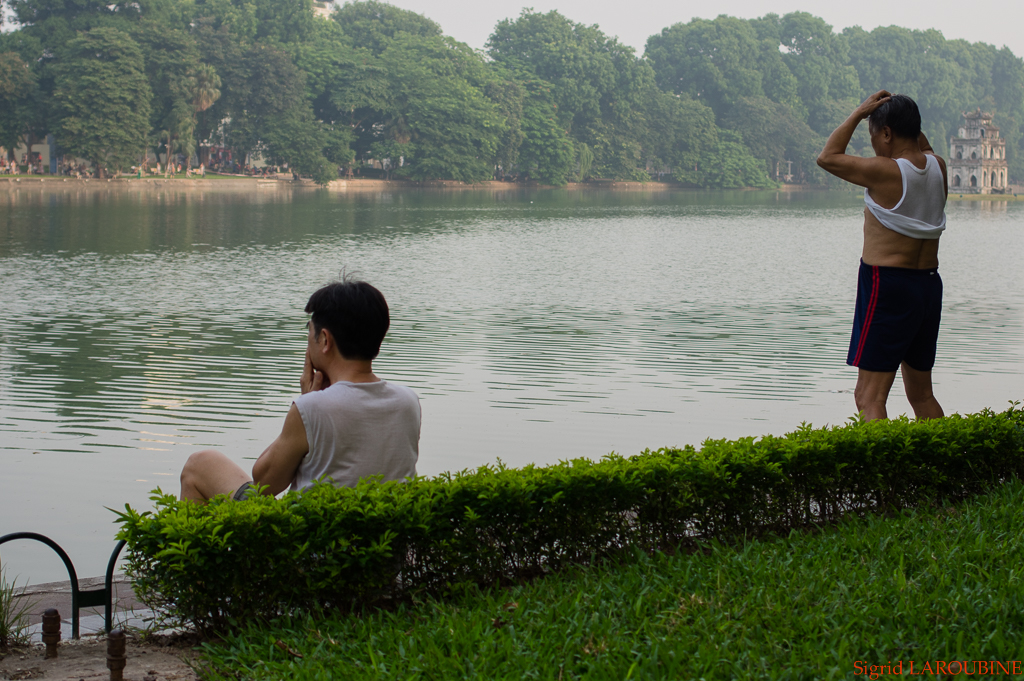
(998, 23)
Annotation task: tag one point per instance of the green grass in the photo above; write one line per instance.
(13, 612)
(926, 585)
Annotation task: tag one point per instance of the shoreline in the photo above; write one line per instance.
(238, 184)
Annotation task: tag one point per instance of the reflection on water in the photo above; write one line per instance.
(535, 326)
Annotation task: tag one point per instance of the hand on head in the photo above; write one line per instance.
(876, 100)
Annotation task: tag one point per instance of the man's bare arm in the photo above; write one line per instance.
(277, 464)
(865, 172)
(926, 148)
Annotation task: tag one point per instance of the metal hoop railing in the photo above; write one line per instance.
(80, 598)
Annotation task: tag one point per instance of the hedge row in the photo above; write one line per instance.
(227, 562)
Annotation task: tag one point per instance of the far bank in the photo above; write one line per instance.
(269, 186)
(236, 183)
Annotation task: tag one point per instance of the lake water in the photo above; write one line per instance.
(535, 326)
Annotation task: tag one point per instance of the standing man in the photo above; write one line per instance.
(899, 292)
(348, 424)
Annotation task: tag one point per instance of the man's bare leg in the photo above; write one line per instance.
(872, 392)
(209, 473)
(918, 385)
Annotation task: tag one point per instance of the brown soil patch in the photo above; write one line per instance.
(162, 658)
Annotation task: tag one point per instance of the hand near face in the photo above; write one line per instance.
(311, 378)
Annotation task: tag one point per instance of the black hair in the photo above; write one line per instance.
(902, 116)
(355, 313)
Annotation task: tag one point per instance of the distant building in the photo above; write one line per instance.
(977, 163)
(42, 151)
(323, 9)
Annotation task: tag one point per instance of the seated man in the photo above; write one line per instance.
(348, 424)
(899, 294)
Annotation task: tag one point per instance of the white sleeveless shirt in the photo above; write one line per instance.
(921, 211)
(358, 430)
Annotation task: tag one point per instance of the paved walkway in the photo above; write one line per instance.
(128, 610)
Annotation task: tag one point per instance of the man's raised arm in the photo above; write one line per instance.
(926, 148)
(834, 159)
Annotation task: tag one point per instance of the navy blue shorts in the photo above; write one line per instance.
(897, 318)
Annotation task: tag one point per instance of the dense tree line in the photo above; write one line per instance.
(712, 103)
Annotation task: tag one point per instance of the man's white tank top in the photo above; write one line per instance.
(921, 212)
(358, 430)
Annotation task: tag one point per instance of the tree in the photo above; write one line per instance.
(268, 99)
(374, 25)
(715, 62)
(777, 80)
(172, 55)
(251, 21)
(584, 161)
(819, 62)
(597, 84)
(567, 55)
(203, 88)
(1008, 87)
(547, 154)
(15, 75)
(728, 166)
(282, 21)
(918, 64)
(437, 104)
(508, 94)
(227, 54)
(556, 101)
(273, 117)
(390, 153)
(17, 87)
(348, 89)
(680, 132)
(775, 134)
(103, 99)
(57, 22)
(179, 137)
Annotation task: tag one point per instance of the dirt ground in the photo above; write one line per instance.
(86, 659)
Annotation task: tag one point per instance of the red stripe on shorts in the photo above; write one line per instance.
(869, 315)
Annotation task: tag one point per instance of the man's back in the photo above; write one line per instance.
(921, 181)
(358, 430)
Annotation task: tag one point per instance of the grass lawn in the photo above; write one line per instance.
(925, 586)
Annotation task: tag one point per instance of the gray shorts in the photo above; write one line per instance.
(242, 493)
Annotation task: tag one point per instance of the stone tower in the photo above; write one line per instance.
(977, 163)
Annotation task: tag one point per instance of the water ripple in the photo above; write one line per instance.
(136, 330)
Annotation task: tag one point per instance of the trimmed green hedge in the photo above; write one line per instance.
(227, 562)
